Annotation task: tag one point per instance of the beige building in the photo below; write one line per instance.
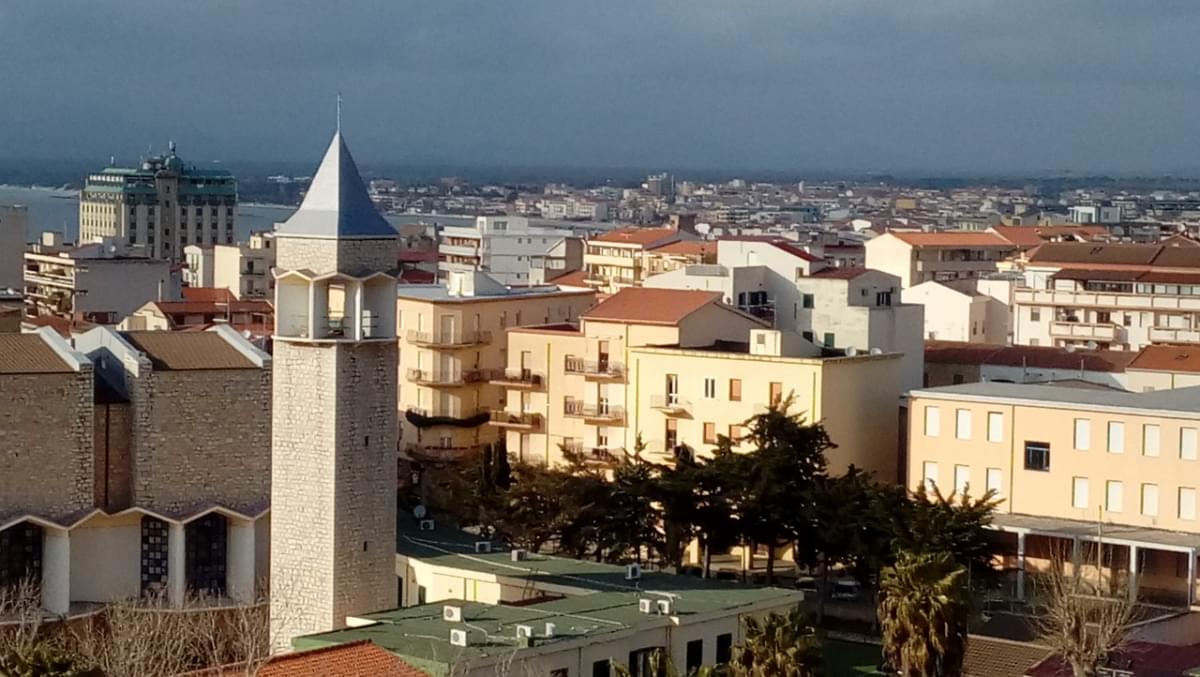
(960, 312)
(453, 355)
(138, 468)
(917, 257)
(1072, 466)
(243, 268)
(616, 259)
(95, 282)
(680, 368)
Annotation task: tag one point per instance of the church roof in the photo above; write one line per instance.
(337, 204)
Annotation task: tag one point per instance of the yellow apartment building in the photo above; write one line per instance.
(451, 347)
(616, 259)
(679, 367)
(1073, 467)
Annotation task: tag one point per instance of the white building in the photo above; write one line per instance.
(95, 282)
(917, 257)
(243, 268)
(14, 220)
(334, 427)
(1095, 214)
(509, 249)
(959, 312)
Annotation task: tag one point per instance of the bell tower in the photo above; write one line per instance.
(334, 427)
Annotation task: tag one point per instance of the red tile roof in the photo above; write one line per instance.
(1092, 253)
(1036, 357)
(1168, 358)
(417, 256)
(643, 305)
(951, 238)
(213, 307)
(777, 242)
(637, 235)
(1141, 659)
(700, 248)
(1029, 236)
(843, 273)
(574, 278)
(208, 294)
(354, 659)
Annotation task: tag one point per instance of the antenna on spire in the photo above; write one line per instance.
(339, 112)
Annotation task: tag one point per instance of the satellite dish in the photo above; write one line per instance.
(419, 512)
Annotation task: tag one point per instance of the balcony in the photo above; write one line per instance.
(670, 404)
(1087, 331)
(459, 250)
(449, 340)
(449, 379)
(595, 369)
(601, 412)
(594, 455)
(517, 378)
(457, 417)
(435, 452)
(516, 420)
(1094, 299)
(1174, 335)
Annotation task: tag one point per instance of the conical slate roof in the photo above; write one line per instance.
(337, 204)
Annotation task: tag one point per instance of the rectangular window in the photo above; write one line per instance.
(1079, 492)
(1150, 438)
(1114, 496)
(1083, 434)
(962, 424)
(775, 393)
(602, 669)
(807, 300)
(995, 480)
(710, 433)
(962, 477)
(1187, 503)
(932, 421)
(1150, 500)
(930, 471)
(829, 339)
(1187, 444)
(995, 421)
(1116, 437)
(724, 648)
(735, 390)
(1035, 314)
(1037, 456)
(695, 656)
(710, 388)
(672, 433)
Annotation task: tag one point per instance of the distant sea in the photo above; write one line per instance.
(58, 210)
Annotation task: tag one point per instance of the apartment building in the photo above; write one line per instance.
(616, 259)
(243, 268)
(678, 254)
(680, 367)
(917, 257)
(1120, 296)
(453, 355)
(160, 206)
(95, 282)
(201, 309)
(509, 249)
(144, 465)
(960, 312)
(1072, 466)
(14, 222)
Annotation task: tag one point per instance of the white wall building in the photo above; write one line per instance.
(509, 249)
(95, 283)
(959, 314)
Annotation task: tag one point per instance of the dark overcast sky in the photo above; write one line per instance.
(950, 85)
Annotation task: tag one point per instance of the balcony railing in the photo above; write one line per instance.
(526, 420)
(458, 339)
(670, 403)
(1084, 330)
(330, 327)
(594, 368)
(1174, 335)
(437, 452)
(597, 412)
(1104, 299)
(448, 378)
(517, 378)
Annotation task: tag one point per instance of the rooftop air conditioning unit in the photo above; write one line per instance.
(483, 546)
(426, 525)
(665, 607)
(524, 631)
(458, 637)
(646, 606)
(633, 571)
(452, 614)
(519, 555)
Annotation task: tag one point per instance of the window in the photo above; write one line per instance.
(1083, 434)
(1037, 456)
(962, 424)
(204, 542)
(995, 426)
(1035, 314)
(602, 668)
(1114, 496)
(1079, 492)
(1150, 500)
(932, 421)
(672, 433)
(560, 672)
(962, 477)
(829, 339)
(1187, 444)
(695, 656)
(736, 433)
(641, 662)
(995, 480)
(1187, 503)
(710, 433)
(1150, 437)
(724, 648)
(775, 393)
(1116, 437)
(154, 554)
(735, 390)
(710, 388)
(807, 300)
(930, 471)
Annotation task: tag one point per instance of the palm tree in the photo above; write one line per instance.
(779, 645)
(924, 611)
(661, 665)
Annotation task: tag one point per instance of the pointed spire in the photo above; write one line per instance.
(339, 112)
(337, 203)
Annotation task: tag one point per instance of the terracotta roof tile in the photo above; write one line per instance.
(777, 242)
(29, 354)
(1168, 358)
(988, 657)
(1027, 236)
(213, 307)
(636, 235)
(354, 659)
(574, 278)
(643, 305)
(208, 294)
(1092, 253)
(688, 248)
(173, 350)
(1141, 659)
(952, 238)
(844, 273)
(1036, 357)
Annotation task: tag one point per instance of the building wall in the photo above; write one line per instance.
(948, 315)
(13, 224)
(121, 286)
(348, 256)
(113, 437)
(244, 270)
(1140, 380)
(106, 558)
(46, 442)
(893, 256)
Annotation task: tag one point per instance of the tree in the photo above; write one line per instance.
(630, 519)
(777, 646)
(924, 612)
(719, 494)
(953, 524)
(1083, 626)
(44, 660)
(661, 665)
